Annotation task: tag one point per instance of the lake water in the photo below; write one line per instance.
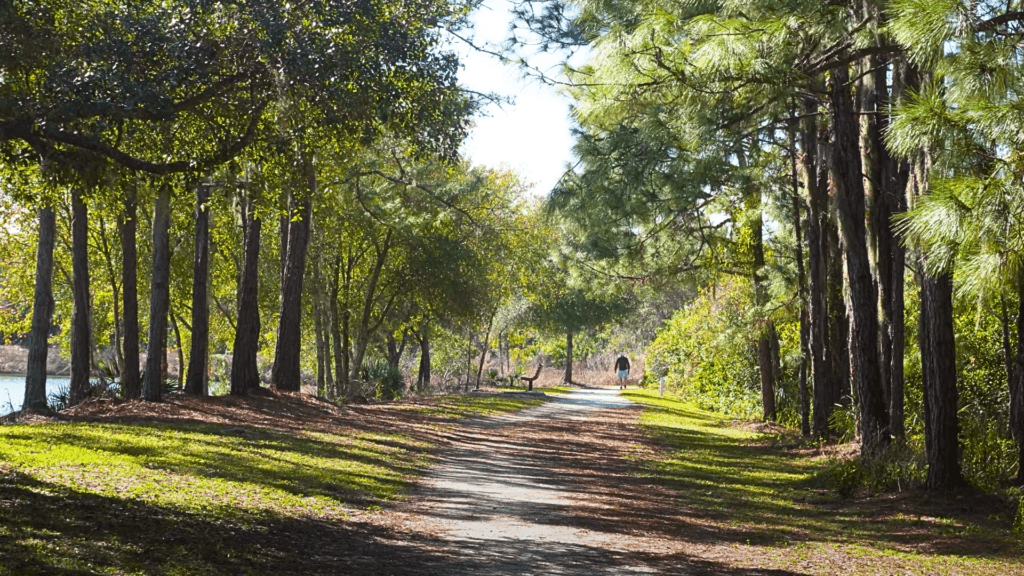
(12, 390)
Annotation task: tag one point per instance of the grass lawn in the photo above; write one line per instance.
(769, 499)
(196, 498)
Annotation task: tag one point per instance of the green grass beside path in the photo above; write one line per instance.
(103, 498)
(760, 495)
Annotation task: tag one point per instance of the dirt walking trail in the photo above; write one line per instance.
(552, 490)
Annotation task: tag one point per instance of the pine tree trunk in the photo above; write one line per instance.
(198, 359)
(318, 326)
(318, 329)
(329, 389)
(80, 325)
(764, 352)
(285, 373)
(568, 358)
(801, 273)
(42, 313)
(817, 252)
(1017, 386)
(840, 392)
(846, 170)
(245, 374)
(940, 397)
(131, 382)
(159, 297)
(340, 366)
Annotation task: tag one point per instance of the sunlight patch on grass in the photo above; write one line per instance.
(201, 470)
(766, 495)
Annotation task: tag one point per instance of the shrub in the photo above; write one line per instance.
(390, 383)
(706, 353)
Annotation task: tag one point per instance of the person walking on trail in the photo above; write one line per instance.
(622, 368)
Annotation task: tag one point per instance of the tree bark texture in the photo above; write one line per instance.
(801, 273)
(285, 373)
(42, 313)
(131, 382)
(764, 351)
(1017, 386)
(159, 297)
(942, 426)
(568, 358)
(423, 374)
(81, 332)
(817, 252)
(340, 358)
(846, 171)
(198, 358)
(245, 374)
(839, 323)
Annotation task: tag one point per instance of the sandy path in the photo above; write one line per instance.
(504, 502)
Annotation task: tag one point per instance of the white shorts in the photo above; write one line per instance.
(623, 374)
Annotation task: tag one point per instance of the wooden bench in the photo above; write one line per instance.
(529, 379)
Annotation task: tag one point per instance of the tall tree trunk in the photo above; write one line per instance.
(329, 389)
(765, 359)
(846, 170)
(245, 374)
(81, 332)
(817, 252)
(942, 426)
(131, 382)
(1017, 385)
(877, 165)
(159, 297)
(906, 79)
(840, 392)
(115, 292)
(764, 351)
(363, 329)
(198, 359)
(42, 313)
(318, 325)
(285, 373)
(180, 349)
(423, 375)
(340, 358)
(318, 328)
(801, 274)
(568, 357)
(486, 344)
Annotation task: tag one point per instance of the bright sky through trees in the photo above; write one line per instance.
(532, 134)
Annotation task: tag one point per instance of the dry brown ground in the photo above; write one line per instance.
(602, 457)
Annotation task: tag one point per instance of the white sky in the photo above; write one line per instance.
(532, 134)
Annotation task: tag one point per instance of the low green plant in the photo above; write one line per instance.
(390, 383)
(1017, 499)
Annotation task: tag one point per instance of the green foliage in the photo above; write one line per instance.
(387, 379)
(705, 353)
(1017, 499)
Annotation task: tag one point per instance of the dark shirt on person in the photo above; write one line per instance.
(622, 363)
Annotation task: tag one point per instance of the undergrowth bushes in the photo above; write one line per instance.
(707, 355)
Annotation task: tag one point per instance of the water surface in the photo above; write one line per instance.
(12, 390)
